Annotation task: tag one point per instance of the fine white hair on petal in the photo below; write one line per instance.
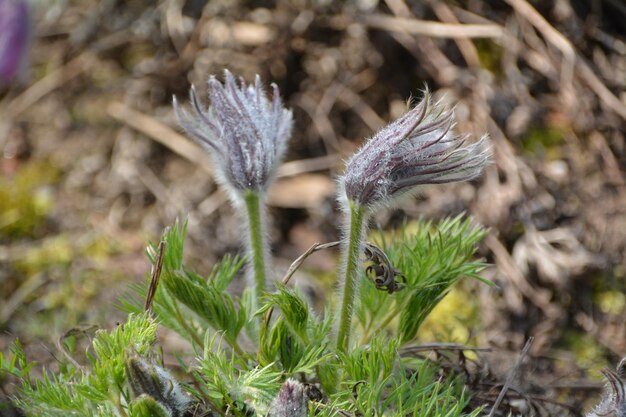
(146, 377)
(291, 400)
(418, 148)
(244, 129)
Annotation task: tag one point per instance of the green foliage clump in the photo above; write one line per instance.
(242, 364)
(99, 389)
(17, 366)
(431, 259)
(386, 384)
(251, 361)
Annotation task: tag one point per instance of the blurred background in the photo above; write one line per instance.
(93, 165)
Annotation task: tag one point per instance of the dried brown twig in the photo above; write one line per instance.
(433, 29)
(155, 275)
(572, 59)
(511, 376)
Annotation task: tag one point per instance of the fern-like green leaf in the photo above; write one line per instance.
(215, 307)
(431, 259)
(293, 308)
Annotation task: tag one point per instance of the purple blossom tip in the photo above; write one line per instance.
(14, 37)
(418, 148)
(614, 398)
(245, 131)
(291, 401)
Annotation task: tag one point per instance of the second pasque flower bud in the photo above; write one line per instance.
(418, 148)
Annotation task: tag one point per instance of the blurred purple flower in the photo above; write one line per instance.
(418, 148)
(244, 131)
(14, 37)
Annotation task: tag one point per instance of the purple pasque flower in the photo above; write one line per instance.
(244, 131)
(418, 148)
(291, 401)
(14, 37)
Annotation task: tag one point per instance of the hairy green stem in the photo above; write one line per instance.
(350, 256)
(257, 244)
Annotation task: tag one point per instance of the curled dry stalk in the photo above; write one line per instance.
(383, 271)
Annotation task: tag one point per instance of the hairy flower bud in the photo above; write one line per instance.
(244, 131)
(291, 400)
(614, 399)
(146, 378)
(14, 37)
(418, 148)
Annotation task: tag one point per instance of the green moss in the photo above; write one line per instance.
(610, 302)
(453, 318)
(66, 289)
(25, 199)
(53, 251)
(588, 352)
(100, 249)
(544, 141)
(60, 250)
(489, 54)
(63, 302)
